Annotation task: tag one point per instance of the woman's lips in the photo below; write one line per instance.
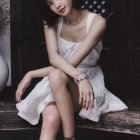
(62, 10)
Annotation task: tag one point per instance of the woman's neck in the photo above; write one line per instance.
(73, 15)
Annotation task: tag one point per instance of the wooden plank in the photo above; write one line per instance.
(127, 122)
(123, 122)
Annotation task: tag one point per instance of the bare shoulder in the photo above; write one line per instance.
(99, 22)
(97, 27)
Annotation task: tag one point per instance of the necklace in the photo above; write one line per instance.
(78, 20)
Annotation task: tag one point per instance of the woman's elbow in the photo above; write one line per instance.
(53, 57)
(52, 61)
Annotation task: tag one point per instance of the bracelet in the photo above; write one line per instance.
(75, 77)
(77, 81)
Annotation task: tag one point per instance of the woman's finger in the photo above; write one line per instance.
(80, 97)
(84, 100)
(87, 100)
(18, 98)
(18, 94)
(92, 99)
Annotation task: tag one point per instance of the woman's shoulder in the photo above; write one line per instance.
(96, 19)
(95, 16)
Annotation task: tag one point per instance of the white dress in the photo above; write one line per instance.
(32, 106)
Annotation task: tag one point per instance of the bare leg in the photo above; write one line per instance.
(51, 122)
(58, 82)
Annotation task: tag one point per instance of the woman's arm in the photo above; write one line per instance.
(26, 80)
(55, 59)
(40, 72)
(94, 36)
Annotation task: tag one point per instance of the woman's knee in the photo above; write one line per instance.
(57, 78)
(51, 120)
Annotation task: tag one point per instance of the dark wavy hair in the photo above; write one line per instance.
(49, 17)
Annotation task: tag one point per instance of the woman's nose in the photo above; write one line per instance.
(57, 5)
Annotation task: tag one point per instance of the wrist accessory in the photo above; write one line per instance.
(77, 80)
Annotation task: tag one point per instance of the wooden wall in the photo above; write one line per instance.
(121, 54)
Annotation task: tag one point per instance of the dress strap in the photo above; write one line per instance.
(60, 22)
(89, 20)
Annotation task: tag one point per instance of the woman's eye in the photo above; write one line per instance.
(50, 4)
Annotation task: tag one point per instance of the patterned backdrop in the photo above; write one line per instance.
(97, 6)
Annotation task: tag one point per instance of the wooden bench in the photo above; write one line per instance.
(122, 122)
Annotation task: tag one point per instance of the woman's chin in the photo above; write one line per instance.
(65, 13)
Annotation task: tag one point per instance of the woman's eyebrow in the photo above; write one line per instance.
(49, 0)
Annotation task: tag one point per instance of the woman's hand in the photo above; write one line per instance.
(23, 85)
(86, 97)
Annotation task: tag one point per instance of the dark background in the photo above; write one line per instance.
(120, 57)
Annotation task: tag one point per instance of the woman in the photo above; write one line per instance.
(74, 82)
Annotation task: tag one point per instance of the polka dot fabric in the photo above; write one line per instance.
(96, 6)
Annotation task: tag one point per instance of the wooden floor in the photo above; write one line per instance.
(124, 124)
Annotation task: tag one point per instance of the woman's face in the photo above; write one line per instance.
(60, 7)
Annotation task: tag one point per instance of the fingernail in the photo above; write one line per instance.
(17, 101)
